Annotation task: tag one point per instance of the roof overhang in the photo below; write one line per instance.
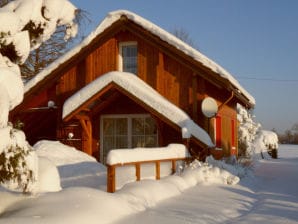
(141, 93)
(194, 59)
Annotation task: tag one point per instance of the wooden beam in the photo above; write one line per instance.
(173, 166)
(157, 170)
(97, 108)
(87, 135)
(111, 184)
(87, 102)
(138, 171)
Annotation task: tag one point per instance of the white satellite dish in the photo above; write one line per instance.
(209, 107)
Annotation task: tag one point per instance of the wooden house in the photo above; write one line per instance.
(132, 84)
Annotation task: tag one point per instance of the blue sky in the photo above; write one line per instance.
(255, 40)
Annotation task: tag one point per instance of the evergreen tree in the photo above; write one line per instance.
(24, 26)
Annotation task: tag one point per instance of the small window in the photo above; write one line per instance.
(128, 61)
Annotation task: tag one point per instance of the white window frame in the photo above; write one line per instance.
(129, 126)
(121, 45)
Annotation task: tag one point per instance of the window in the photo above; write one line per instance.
(127, 131)
(128, 60)
(143, 132)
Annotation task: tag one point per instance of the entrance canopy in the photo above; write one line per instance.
(140, 92)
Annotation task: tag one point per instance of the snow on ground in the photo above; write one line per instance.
(75, 167)
(270, 196)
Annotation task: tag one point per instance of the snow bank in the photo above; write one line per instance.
(75, 168)
(48, 176)
(77, 204)
(139, 89)
(72, 205)
(60, 154)
(147, 193)
(120, 156)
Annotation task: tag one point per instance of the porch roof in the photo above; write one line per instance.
(138, 89)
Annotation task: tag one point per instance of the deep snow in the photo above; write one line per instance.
(268, 196)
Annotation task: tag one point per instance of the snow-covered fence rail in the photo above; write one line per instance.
(137, 160)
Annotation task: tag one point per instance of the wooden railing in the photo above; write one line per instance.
(111, 170)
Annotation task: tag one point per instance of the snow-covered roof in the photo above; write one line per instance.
(142, 91)
(111, 18)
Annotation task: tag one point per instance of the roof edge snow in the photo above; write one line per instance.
(142, 91)
(156, 30)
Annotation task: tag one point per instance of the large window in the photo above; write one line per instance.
(127, 131)
(128, 61)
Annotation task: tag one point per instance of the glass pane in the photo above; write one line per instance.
(114, 135)
(150, 140)
(108, 126)
(150, 127)
(138, 141)
(130, 58)
(108, 144)
(121, 126)
(121, 142)
(138, 126)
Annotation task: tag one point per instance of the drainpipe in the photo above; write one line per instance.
(228, 100)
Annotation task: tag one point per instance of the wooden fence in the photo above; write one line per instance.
(111, 169)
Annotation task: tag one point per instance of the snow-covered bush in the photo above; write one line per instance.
(265, 142)
(24, 25)
(252, 140)
(247, 132)
(17, 160)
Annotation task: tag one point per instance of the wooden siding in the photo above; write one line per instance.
(159, 65)
(98, 62)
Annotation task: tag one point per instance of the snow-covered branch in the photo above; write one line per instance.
(24, 25)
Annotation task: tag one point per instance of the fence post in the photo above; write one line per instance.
(111, 186)
(157, 170)
(173, 166)
(138, 171)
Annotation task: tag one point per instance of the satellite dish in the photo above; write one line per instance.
(209, 107)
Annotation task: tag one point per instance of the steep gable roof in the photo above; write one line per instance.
(139, 89)
(152, 28)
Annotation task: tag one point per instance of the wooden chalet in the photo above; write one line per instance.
(72, 101)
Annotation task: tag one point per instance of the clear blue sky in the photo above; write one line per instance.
(255, 40)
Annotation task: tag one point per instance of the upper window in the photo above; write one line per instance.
(128, 57)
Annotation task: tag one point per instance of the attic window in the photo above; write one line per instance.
(128, 57)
